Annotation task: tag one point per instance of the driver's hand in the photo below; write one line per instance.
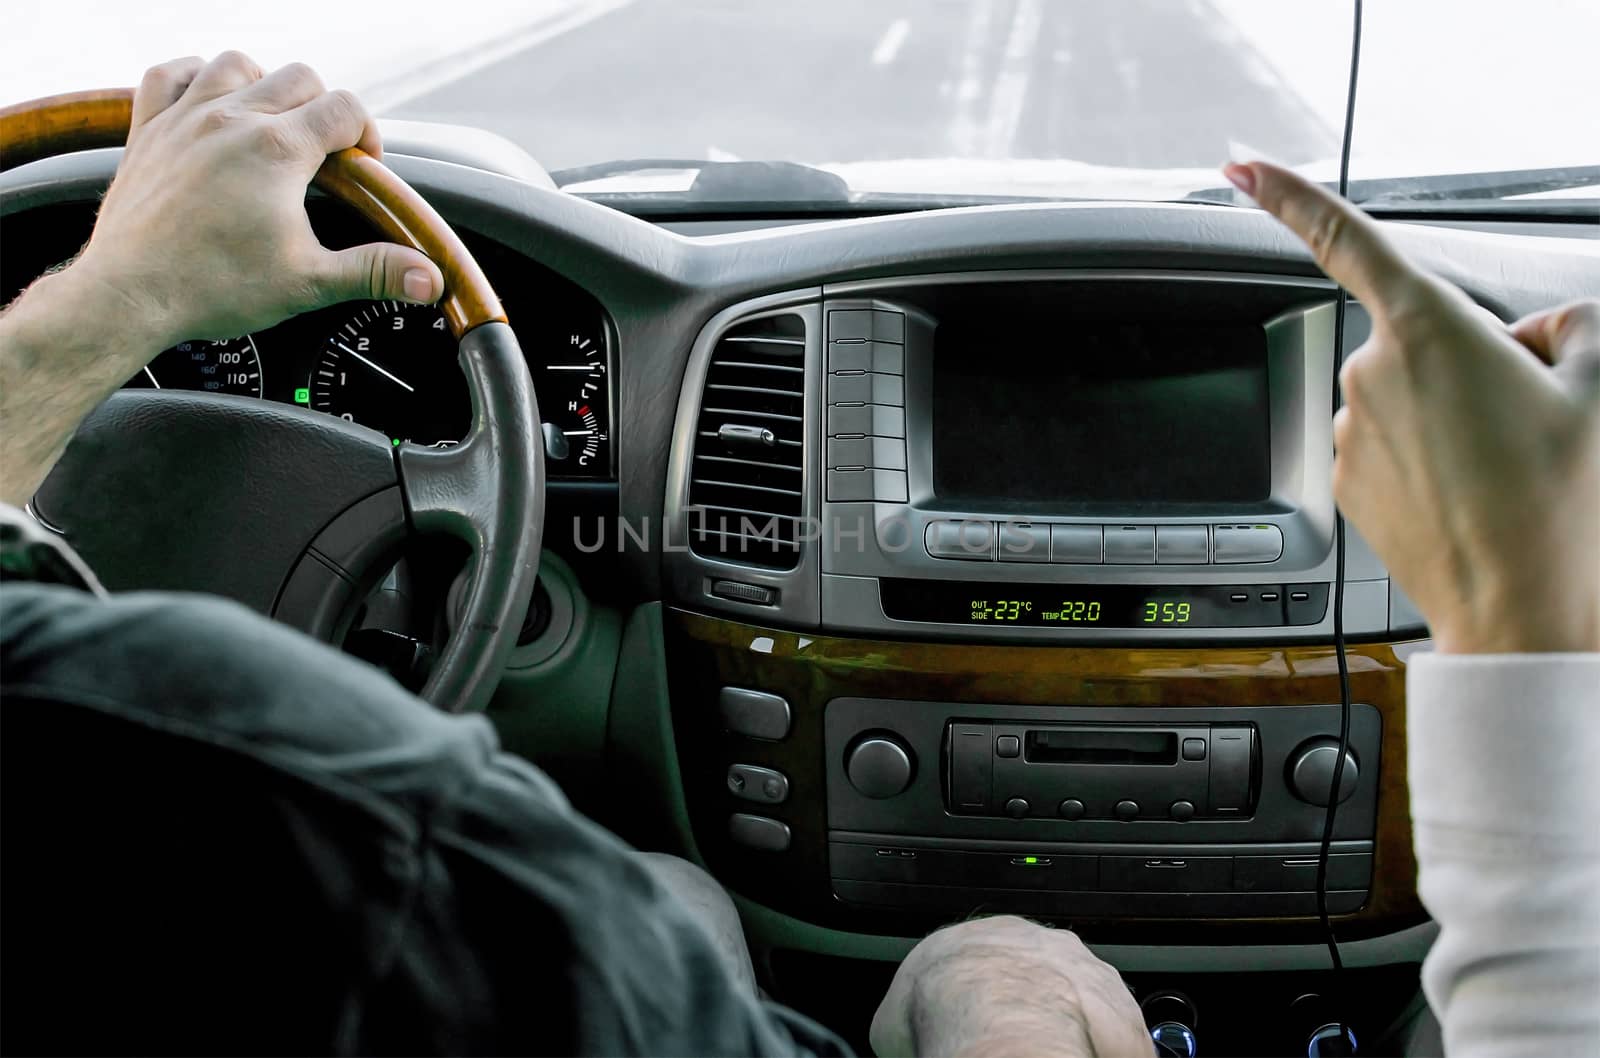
(1007, 986)
(204, 231)
(1468, 454)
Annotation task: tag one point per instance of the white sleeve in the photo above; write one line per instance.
(1505, 803)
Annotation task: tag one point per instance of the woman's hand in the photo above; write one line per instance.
(1467, 453)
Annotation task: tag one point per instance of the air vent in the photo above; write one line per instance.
(746, 487)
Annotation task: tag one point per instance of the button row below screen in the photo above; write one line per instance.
(977, 540)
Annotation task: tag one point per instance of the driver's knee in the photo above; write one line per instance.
(710, 905)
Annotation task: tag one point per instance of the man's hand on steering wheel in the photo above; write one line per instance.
(204, 229)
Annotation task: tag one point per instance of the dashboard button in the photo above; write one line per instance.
(758, 832)
(866, 420)
(1078, 544)
(1126, 810)
(866, 324)
(754, 714)
(961, 538)
(885, 486)
(1182, 811)
(1182, 544)
(1132, 545)
(867, 356)
(1246, 543)
(1194, 749)
(755, 783)
(867, 388)
(881, 453)
(1071, 808)
(1007, 746)
(1017, 808)
(1023, 542)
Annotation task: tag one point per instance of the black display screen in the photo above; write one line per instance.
(1103, 605)
(1113, 414)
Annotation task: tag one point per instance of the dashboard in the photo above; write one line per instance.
(385, 365)
(1036, 601)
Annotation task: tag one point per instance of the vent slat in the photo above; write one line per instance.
(745, 505)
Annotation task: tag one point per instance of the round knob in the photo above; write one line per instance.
(1173, 1039)
(1126, 810)
(878, 767)
(1182, 811)
(1310, 771)
(1331, 1041)
(1071, 808)
(1016, 808)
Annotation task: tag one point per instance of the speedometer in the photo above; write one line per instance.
(228, 365)
(393, 367)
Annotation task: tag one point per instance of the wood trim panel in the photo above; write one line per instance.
(82, 121)
(809, 670)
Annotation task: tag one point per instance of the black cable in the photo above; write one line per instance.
(1339, 535)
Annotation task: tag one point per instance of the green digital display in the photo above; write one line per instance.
(1104, 606)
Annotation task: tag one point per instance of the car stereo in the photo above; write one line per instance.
(1052, 457)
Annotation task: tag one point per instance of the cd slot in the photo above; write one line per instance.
(1110, 745)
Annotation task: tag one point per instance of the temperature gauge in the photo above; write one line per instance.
(575, 400)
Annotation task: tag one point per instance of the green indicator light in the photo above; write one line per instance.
(1030, 859)
(396, 441)
(302, 395)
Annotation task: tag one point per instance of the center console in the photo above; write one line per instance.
(994, 588)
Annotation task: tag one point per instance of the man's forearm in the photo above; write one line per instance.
(66, 344)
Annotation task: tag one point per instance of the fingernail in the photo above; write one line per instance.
(418, 285)
(1241, 176)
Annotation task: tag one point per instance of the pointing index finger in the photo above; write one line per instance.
(1346, 243)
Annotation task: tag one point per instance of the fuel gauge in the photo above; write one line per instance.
(575, 399)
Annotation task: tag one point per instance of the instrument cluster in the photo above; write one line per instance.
(388, 365)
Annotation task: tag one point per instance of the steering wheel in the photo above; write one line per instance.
(294, 512)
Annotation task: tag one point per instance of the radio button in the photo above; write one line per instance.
(1182, 544)
(1071, 808)
(866, 420)
(885, 486)
(962, 538)
(867, 356)
(1132, 545)
(1246, 543)
(1194, 749)
(859, 324)
(1077, 544)
(1021, 542)
(879, 767)
(1007, 746)
(1017, 808)
(1182, 811)
(867, 389)
(1126, 810)
(880, 453)
(971, 767)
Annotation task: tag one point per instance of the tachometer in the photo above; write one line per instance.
(228, 365)
(574, 396)
(393, 367)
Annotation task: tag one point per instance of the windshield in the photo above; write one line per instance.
(1120, 99)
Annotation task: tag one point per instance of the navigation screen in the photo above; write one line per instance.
(1114, 414)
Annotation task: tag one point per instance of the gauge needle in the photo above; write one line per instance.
(151, 375)
(402, 383)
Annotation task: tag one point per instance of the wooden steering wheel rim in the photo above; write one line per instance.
(80, 121)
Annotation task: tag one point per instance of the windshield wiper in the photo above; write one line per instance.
(1476, 189)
